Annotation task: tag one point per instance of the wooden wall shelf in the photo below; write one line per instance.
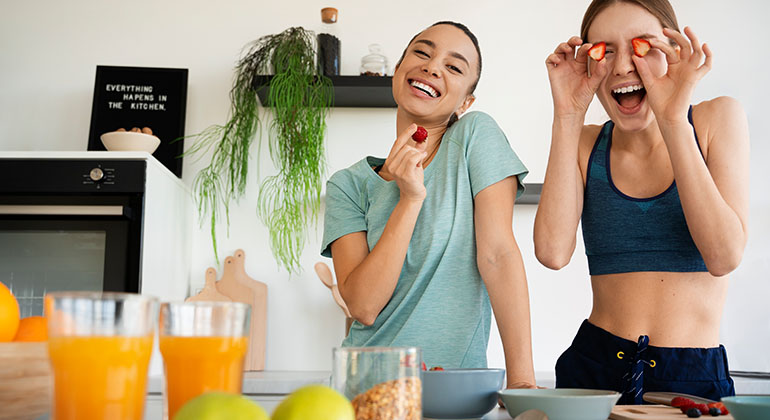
(349, 91)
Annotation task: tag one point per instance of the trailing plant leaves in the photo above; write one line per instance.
(300, 101)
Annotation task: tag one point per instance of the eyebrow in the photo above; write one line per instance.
(642, 36)
(454, 54)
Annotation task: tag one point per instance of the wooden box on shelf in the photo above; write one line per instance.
(26, 382)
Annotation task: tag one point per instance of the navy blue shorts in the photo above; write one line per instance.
(597, 359)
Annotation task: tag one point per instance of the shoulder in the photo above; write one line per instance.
(718, 110)
(720, 119)
(474, 126)
(350, 177)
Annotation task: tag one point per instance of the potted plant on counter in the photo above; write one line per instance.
(300, 99)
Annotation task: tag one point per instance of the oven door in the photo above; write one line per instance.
(54, 246)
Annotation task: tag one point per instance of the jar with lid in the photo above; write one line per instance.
(382, 382)
(329, 44)
(375, 63)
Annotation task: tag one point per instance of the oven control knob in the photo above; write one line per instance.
(96, 174)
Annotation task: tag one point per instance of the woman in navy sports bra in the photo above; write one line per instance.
(662, 192)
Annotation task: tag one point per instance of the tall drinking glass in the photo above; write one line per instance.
(204, 347)
(100, 346)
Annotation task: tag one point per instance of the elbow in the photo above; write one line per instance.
(551, 257)
(724, 264)
(364, 317)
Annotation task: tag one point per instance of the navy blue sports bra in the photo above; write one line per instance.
(623, 234)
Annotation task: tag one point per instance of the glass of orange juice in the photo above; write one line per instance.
(204, 347)
(100, 346)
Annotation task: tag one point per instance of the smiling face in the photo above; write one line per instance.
(435, 77)
(621, 92)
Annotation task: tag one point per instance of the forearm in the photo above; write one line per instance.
(558, 211)
(506, 283)
(715, 227)
(369, 287)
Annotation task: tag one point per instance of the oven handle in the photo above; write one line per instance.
(35, 210)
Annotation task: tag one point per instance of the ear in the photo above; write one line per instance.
(465, 105)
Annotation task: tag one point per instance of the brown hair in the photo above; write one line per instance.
(661, 9)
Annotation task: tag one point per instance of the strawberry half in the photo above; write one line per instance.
(641, 46)
(420, 135)
(597, 51)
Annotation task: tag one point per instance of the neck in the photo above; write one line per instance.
(435, 128)
(641, 141)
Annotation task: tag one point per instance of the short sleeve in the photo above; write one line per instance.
(343, 213)
(489, 155)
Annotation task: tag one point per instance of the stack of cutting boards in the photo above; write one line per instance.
(654, 412)
(236, 286)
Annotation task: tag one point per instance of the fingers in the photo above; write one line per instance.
(685, 48)
(582, 53)
(643, 69)
(406, 160)
(672, 56)
(706, 67)
(401, 140)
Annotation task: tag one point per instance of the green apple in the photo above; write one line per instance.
(220, 406)
(316, 402)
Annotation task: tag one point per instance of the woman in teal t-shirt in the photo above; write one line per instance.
(422, 241)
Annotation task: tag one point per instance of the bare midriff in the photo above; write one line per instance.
(673, 309)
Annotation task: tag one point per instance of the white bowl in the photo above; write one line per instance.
(128, 141)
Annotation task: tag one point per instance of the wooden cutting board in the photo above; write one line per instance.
(239, 287)
(653, 412)
(209, 292)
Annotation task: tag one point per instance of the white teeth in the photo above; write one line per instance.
(422, 86)
(627, 89)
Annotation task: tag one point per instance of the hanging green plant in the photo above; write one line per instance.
(300, 100)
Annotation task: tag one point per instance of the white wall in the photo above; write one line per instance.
(49, 51)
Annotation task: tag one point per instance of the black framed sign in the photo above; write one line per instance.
(127, 97)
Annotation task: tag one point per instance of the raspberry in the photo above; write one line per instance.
(693, 412)
(680, 401)
(686, 406)
(420, 135)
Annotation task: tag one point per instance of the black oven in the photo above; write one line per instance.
(68, 224)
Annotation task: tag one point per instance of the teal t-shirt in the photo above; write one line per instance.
(440, 303)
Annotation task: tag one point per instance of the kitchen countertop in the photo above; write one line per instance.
(272, 382)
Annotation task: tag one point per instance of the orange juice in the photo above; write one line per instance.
(99, 377)
(195, 365)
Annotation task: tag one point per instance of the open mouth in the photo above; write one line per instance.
(629, 97)
(433, 93)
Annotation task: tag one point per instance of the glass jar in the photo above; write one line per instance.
(381, 382)
(375, 63)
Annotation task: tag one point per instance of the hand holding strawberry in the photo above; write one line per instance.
(572, 87)
(404, 165)
(670, 95)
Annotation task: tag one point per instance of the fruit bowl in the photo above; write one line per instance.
(460, 393)
(747, 407)
(26, 381)
(562, 403)
(122, 141)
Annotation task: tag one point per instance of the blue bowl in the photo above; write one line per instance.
(460, 393)
(748, 407)
(561, 403)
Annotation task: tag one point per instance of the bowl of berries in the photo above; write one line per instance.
(459, 393)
